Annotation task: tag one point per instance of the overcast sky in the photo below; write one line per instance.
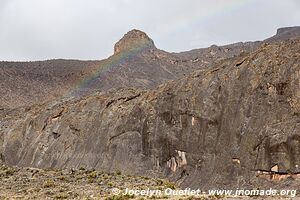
(88, 29)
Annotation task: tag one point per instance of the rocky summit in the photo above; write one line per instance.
(132, 40)
(218, 117)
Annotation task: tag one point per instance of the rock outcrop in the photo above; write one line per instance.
(134, 39)
(217, 127)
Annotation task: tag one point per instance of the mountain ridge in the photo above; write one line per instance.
(146, 68)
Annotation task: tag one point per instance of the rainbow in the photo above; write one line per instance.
(219, 7)
(109, 64)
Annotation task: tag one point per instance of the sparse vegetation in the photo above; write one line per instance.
(75, 184)
(48, 183)
(61, 196)
(9, 172)
(118, 172)
(169, 184)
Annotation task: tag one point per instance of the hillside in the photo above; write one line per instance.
(245, 108)
(143, 66)
(220, 120)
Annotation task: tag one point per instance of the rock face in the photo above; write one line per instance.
(132, 40)
(233, 121)
(217, 127)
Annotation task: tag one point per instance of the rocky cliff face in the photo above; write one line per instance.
(232, 124)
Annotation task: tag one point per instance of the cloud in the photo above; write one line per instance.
(88, 29)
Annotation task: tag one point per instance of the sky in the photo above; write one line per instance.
(88, 29)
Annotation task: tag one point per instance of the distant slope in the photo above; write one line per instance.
(26, 83)
(136, 63)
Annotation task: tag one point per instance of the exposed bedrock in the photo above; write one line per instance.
(216, 127)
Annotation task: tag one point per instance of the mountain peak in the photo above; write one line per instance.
(133, 39)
